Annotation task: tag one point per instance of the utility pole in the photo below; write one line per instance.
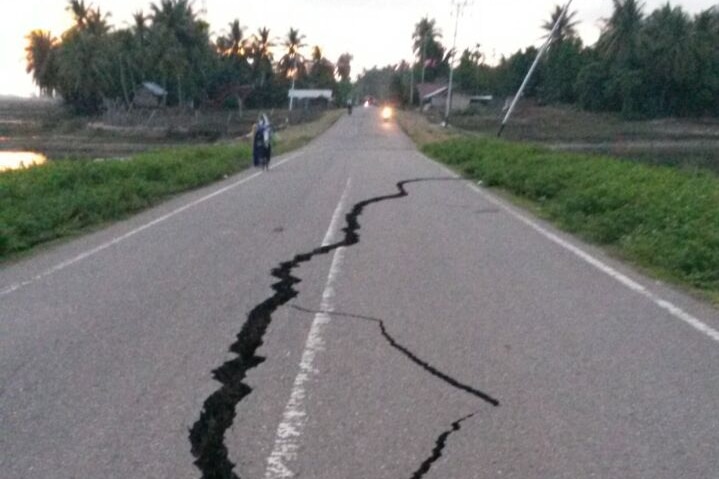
(294, 74)
(411, 82)
(534, 66)
(424, 54)
(460, 5)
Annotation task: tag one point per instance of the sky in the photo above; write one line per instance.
(375, 32)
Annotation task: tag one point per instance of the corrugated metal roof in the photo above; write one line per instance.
(154, 88)
(430, 90)
(301, 94)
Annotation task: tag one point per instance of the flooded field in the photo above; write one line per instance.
(46, 127)
(686, 142)
(15, 160)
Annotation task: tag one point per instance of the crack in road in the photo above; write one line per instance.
(410, 355)
(218, 412)
(441, 441)
(439, 448)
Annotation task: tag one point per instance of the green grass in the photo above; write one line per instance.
(63, 198)
(662, 218)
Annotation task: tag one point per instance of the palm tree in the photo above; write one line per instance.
(140, 26)
(96, 22)
(344, 67)
(426, 43)
(261, 55)
(39, 56)
(292, 64)
(79, 12)
(619, 42)
(667, 47)
(566, 29)
(425, 32)
(231, 45)
(182, 53)
(322, 73)
(316, 54)
(173, 13)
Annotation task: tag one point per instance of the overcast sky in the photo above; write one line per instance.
(376, 32)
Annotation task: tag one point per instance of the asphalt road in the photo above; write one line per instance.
(356, 312)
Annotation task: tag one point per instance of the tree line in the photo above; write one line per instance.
(665, 63)
(172, 46)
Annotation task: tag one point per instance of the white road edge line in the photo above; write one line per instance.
(294, 417)
(667, 306)
(14, 287)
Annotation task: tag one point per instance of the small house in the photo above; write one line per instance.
(434, 96)
(149, 95)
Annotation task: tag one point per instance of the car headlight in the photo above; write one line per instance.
(386, 113)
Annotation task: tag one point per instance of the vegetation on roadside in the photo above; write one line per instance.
(644, 64)
(93, 63)
(422, 130)
(62, 198)
(659, 217)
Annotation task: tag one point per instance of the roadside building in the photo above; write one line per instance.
(303, 98)
(433, 96)
(149, 95)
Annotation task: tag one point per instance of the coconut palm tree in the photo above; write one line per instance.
(175, 14)
(40, 61)
(426, 44)
(96, 22)
(181, 52)
(322, 73)
(425, 32)
(667, 47)
(567, 27)
(261, 56)
(79, 12)
(344, 67)
(292, 63)
(232, 45)
(619, 41)
(140, 25)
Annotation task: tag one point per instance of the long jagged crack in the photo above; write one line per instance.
(207, 435)
(410, 355)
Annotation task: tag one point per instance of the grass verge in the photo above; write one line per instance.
(64, 198)
(663, 219)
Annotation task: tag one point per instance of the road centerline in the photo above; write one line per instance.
(294, 417)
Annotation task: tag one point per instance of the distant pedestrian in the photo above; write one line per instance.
(261, 147)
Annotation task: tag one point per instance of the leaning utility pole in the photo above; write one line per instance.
(534, 66)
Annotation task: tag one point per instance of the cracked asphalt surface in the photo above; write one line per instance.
(460, 343)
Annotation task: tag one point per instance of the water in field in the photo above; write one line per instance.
(15, 160)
